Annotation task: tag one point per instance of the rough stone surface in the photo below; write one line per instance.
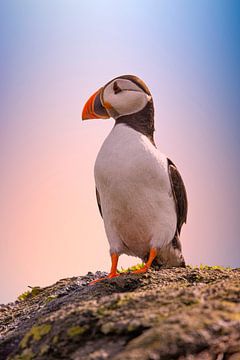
(165, 314)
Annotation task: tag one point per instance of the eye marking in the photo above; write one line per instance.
(116, 88)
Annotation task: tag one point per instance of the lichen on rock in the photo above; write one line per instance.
(181, 313)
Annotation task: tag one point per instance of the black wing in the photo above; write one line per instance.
(98, 201)
(179, 193)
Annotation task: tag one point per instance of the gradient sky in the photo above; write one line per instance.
(53, 55)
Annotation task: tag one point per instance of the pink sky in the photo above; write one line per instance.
(53, 60)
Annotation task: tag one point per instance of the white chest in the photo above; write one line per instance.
(128, 155)
(132, 180)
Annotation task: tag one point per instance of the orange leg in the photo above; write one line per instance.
(113, 272)
(152, 255)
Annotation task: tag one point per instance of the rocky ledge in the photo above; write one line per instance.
(185, 314)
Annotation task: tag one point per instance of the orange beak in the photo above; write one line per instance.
(94, 109)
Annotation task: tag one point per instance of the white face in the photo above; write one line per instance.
(125, 97)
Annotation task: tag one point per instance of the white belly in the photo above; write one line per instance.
(136, 198)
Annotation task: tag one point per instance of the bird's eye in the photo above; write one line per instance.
(116, 88)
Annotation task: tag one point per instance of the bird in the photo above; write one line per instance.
(139, 191)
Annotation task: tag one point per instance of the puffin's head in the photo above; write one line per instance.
(124, 95)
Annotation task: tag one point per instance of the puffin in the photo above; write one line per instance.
(139, 191)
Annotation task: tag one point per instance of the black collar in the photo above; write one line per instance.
(143, 121)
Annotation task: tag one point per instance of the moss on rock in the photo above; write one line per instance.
(182, 313)
(75, 331)
(35, 334)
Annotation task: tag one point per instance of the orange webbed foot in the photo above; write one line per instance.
(113, 273)
(144, 269)
(109, 276)
(140, 271)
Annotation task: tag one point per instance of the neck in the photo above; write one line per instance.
(143, 121)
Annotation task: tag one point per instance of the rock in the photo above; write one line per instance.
(179, 313)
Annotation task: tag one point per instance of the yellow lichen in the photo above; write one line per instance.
(208, 267)
(132, 268)
(36, 333)
(55, 339)
(123, 300)
(30, 293)
(50, 298)
(75, 330)
(102, 311)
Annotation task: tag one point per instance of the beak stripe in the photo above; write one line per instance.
(93, 109)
